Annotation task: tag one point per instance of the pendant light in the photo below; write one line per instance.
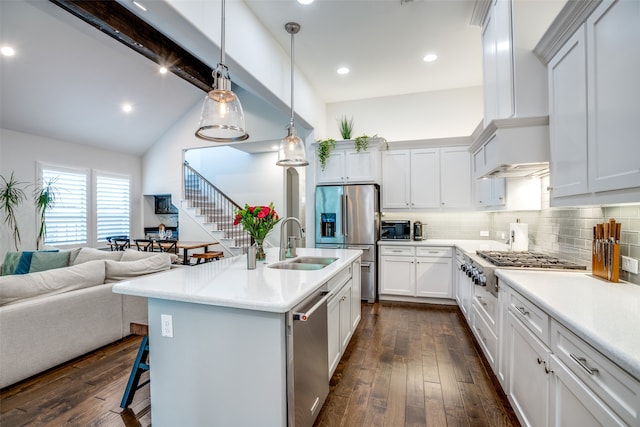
(222, 118)
(291, 151)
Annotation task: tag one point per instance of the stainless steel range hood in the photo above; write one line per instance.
(516, 147)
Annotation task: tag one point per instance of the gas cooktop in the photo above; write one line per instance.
(527, 259)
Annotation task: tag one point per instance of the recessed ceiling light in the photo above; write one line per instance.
(127, 108)
(7, 51)
(305, 2)
(140, 6)
(343, 70)
(163, 70)
(430, 57)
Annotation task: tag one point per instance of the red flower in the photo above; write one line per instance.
(264, 211)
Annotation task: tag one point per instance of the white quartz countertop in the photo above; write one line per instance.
(604, 314)
(228, 282)
(464, 245)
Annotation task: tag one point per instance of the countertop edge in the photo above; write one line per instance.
(612, 352)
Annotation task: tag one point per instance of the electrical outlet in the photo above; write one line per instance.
(166, 321)
(484, 233)
(630, 264)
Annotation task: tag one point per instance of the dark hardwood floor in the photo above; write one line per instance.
(407, 365)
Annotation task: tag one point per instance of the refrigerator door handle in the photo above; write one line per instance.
(345, 217)
(362, 248)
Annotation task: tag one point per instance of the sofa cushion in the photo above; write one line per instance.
(134, 255)
(20, 262)
(42, 261)
(124, 270)
(91, 254)
(50, 282)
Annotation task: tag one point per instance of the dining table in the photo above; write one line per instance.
(186, 246)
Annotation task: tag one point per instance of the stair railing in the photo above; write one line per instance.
(213, 203)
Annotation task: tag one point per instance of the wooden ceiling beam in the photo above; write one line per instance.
(117, 21)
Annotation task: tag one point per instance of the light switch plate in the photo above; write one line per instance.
(484, 233)
(630, 264)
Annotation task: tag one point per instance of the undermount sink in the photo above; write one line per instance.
(314, 260)
(304, 263)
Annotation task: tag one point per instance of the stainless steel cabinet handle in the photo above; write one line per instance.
(547, 370)
(582, 361)
(522, 310)
(539, 361)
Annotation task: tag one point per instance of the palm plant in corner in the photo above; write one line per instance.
(44, 197)
(346, 127)
(11, 195)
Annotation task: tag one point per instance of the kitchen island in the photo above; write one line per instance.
(219, 357)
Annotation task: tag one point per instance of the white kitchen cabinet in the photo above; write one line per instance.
(463, 294)
(416, 272)
(429, 178)
(433, 273)
(490, 193)
(425, 179)
(345, 165)
(356, 294)
(345, 316)
(594, 110)
(396, 179)
(339, 325)
(529, 383)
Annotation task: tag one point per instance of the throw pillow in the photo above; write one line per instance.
(51, 282)
(91, 254)
(20, 262)
(42, 261)
(123, 270)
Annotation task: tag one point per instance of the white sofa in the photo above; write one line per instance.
(53, 316)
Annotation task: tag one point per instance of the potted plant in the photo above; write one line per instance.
(346, 127)
(258, 222)
(11, 195)
(324, 149)
(362, 142)
(44, 197)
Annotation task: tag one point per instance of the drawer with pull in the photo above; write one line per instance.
(433, 252)
(614, 386)
(398, 250)
(486, 337)
(530, 315)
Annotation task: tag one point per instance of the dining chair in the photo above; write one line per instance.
(119, 243)
(146, 245)
(168, 246)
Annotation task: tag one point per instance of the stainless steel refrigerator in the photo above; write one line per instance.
(348, 217)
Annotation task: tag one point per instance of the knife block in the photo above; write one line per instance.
(598, 267)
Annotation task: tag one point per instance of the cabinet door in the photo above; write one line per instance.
(568, 118)
(333, 172)
(455, 178)
(489, 70)
(395, 179)
(433, 277)
(356, 294)
(333, 333)
(504, 59)
(573, 404)
(362, 166)
(397, 275)
(345, 316)
(613, 55)
(529, 383)
(425, 178)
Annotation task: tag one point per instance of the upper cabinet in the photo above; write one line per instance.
(593, 105)
(426, 178)
(514, 80)
(346, 165)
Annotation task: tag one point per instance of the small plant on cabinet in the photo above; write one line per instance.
(324, 150)
(346, 127)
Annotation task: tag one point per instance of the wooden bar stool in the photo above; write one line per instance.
(140, 365)
(207, 256)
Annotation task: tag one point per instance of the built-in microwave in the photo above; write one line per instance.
(395, 230)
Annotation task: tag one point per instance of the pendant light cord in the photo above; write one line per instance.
(222, 35)
(292, 79)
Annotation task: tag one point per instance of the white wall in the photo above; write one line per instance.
(426, 115)
(20, 153)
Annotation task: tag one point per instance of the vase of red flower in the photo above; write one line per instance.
(258, 221)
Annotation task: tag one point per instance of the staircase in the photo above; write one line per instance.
(214, 211)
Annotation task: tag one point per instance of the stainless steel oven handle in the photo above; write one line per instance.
(306, 315)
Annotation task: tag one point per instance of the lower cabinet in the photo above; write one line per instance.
(340, 322)
(416, 272)
(356, 294)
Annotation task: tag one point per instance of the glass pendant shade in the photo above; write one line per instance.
(291, 151)
(222, 118)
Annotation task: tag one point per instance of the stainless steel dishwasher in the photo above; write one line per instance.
(307, 359)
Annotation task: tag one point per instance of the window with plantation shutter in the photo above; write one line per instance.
(112, 206)
(66, 221)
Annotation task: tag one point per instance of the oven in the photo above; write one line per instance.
(395, 230)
